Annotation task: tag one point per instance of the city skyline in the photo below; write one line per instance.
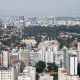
(39, 7)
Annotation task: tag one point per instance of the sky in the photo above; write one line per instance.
(39, 7)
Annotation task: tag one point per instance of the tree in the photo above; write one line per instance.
(40, 66)
(37, 77)
(52, 67)
(23, 65)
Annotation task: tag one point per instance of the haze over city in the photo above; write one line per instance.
(39, 40)
(39, 7)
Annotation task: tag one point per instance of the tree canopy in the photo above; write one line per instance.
(40, 66)
(52, 67)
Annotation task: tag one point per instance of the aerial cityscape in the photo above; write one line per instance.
(39, 40)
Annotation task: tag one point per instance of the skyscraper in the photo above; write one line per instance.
(21, 21)
(79, 52)
(21, 24)
(72, 62)
(64, 49)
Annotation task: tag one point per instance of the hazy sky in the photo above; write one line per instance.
(39, 7)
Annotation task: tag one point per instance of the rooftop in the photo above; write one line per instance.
(63, 70)
(68, 75)
(50, 73)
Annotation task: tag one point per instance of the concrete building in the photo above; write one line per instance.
(27, 24)
(64, 55)
(58, 59)
(51, 47)
(13, 56)
(63, 75)
(4, 58)
(29, 73)
(72, 62)
(0, 23)
(24, 56)
(0, 59)
(33, 58)
(0, 47)
(41, 56)
(29, 46)
(21, 21)
(46, 77)
(45, 45)
(7, 74)
(49, 58)
(79, 51)
(10, 73)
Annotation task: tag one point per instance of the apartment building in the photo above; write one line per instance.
(29, 73)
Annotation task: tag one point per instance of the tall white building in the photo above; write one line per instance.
(29, 73)
(49, 58)
(63, 75)
(33, 58)
(4, 58)
(41, 56)
(64, 56)
(79, 51)
(72, 62)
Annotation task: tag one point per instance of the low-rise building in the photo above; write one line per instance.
(46, 77)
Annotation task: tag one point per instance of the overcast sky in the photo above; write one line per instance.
(39, 7)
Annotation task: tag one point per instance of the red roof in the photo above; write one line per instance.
(78, 77)
(63, 70)
(68, 75)
(50, 73)
(42, 41)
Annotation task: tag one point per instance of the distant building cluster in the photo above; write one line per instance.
(27, 21)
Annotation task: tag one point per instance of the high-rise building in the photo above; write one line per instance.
(1, 23)
(24, 57)
(29, 46)
(49, 57)
(58, 58)
(21, 24)
(13, 56)
(29, 73)
(72, 62)
(4, 59)
(79, 52)
(33, 58)
(64, 54)
(21, 21)
(41, 56)
(0, 47)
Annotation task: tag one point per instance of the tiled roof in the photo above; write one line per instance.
(68, 75)
(63, 70)
(50, 73)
